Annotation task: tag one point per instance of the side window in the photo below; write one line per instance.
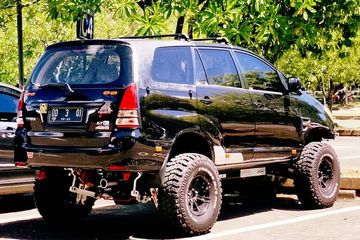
(220, 67)
(200, 76)
(172, 65)
(8, 103)
(258, 74)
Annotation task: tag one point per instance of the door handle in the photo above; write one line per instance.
(206, 100)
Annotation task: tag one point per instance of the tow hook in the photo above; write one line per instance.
(134, 192)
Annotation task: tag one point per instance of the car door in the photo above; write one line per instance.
(7, 127)
(277, 128)
(224, 107)
(168, 96)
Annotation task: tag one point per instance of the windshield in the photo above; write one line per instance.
(84, 65)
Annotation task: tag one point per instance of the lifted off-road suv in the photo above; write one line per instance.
(177, 122)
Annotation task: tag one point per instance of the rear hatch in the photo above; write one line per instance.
(73, 96)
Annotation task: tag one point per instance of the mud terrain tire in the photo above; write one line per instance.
(190, 198)
(317, 176)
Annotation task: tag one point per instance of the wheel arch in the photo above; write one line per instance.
(192, 141)
(317, 133)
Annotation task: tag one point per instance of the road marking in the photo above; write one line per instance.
(350, 157)
(19, 216)
(277, 223)
(34, 214)
(221, 235)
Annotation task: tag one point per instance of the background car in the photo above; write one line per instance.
(12, 180)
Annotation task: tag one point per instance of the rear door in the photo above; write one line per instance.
(277, 130)
(168, 94)
(74, 94)
(225, 104)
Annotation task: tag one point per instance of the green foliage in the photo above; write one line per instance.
(312, 39)
(152, 21)
(72, 10)
(332, 69)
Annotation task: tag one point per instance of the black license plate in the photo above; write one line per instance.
(65, 114)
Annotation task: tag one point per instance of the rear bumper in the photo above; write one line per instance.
(138, 158)
(130, 153)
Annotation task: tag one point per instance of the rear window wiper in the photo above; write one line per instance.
(60, 84)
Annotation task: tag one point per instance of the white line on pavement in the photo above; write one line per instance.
(34, 214)
(350, 157)
(277, 223)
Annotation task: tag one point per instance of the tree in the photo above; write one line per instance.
(312, 32)
(326, 72)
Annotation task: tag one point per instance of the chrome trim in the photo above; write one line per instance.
(45, 134)
(41, 116)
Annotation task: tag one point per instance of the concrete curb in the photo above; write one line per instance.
(347, 194)
(348, 132)
(349, 185)
(350, 182)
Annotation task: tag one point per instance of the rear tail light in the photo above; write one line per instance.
(128, 116)
(20, 119)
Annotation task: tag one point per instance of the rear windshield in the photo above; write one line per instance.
(85, 65)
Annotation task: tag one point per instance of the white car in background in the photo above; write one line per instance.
(13, 180)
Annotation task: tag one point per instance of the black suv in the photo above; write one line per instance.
(177, 122)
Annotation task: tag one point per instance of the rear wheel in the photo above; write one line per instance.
(317, 176)
(54, 201)
(191, 195)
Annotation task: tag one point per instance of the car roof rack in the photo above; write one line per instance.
(215, 39)
(176, 36)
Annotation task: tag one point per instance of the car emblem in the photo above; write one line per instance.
(43, 108)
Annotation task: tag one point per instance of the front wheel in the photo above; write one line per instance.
(317, 176)
(191, 194)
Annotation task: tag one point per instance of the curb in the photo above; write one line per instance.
(347, 194)
(349, 186)
(348, 132)
(350, 182)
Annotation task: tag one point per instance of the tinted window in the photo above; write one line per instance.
(93, 64)
(258, 74)
(220, 67)
(200, 76)
(8, 103)
(172, 65)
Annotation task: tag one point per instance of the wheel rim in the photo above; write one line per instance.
(198, 196)
(325, 175)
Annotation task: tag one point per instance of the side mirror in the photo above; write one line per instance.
(293, 84)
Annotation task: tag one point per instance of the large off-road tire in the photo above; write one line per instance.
(54, 201)
(190, 198)
(317, 176)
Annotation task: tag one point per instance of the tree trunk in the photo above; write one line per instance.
(346, 89)
(180, 24)
(330, 94)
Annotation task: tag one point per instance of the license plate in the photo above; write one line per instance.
(65, 115)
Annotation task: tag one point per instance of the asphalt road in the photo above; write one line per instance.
(282, 219)
(348, 151)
